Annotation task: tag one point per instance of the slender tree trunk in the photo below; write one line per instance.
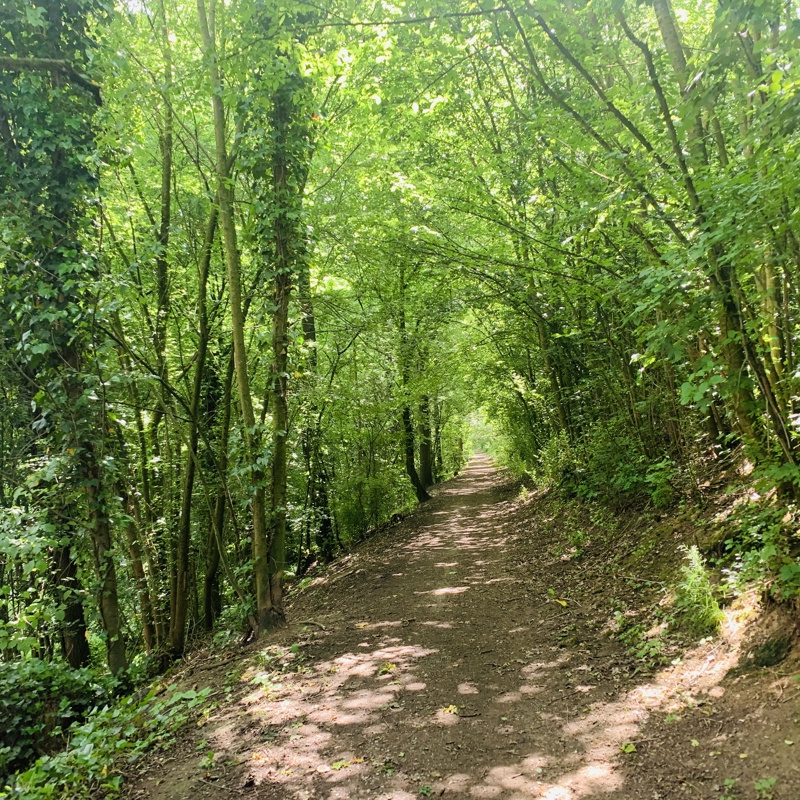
(316, 473)
(177, 633)
(737, 350)
(552, 377)
(225, 196)
(211, 591)
(425, 445)
(286, 204)
(411, 469)
(437, 441)
(280, 434)
(165, 219)
(325, 533)
(108, 599)
(137, 567)
(146, 517)
(407, 422)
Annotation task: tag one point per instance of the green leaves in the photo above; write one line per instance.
(87, 764)
(700, 393)
(39, 701)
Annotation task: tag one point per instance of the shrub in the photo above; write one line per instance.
(556, 460)
(695, 600)
(363, 502)
(87, 766)
(765, 548)
(39, 700)
(659, 480)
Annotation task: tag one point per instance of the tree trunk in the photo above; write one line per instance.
(425, 445)
(437, 442)
(405, 369)
(225, 196)
(738, 351)
(108, 597)
(177, 633)
(280, 430)
(411, 469)
(137, 567)
(552, 377)
(74, 644)
(211, 590)
(316, 473)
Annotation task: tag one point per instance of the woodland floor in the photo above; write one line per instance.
(447, 667)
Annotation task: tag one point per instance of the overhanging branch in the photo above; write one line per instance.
(52, 65)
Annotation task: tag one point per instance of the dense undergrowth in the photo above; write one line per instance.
(84, 750)
(753, 540)
(665, 577)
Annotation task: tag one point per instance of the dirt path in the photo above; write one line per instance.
(446, 667)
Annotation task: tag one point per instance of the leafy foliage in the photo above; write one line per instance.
(87, 765)
(762, 547)
(233, 342)
(39, 701)
(695, 596)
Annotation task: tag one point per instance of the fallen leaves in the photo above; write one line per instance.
(345, 763)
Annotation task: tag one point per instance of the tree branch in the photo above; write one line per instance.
(52, 65)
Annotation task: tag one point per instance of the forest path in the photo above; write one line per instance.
(447, 667)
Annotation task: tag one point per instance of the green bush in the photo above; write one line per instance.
(556, 460)
(659, 479)
(39, 700)
(764, 548)
(615, 468)
(86, 767)
(696, 600)
(364, 502)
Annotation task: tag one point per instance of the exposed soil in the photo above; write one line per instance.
(462, 653)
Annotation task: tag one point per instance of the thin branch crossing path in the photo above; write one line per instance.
(458, 655)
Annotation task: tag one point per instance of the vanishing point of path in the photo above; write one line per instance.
(435, 662)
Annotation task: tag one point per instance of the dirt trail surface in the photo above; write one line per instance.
(440, 663)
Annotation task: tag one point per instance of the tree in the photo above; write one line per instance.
(50, 270)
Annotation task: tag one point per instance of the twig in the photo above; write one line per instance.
(689, 783)
(555, 616)
(311, 622)
(216, 664)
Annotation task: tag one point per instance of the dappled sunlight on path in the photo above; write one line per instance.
(434, 669)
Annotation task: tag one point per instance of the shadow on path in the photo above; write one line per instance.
(440, 671)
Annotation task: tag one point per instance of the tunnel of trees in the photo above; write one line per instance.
(267, 265)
